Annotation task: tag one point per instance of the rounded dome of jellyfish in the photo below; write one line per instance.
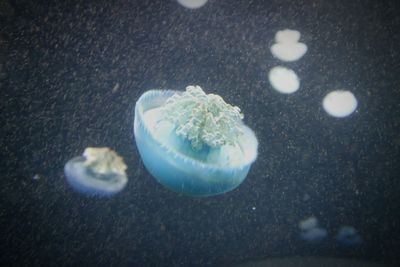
(283, 80)
(287, 47)
(311, 231)
(98, 172)
(340, 103)
(193, 143)
(348, 236)
(192, 4)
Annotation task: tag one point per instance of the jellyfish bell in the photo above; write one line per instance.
(193, 143)
(287, 46)
(309, 223)
(314, 235)
(288, 51)
(348, 236)
(287, 36)
(192, 4)
(284, 80)
(98, 172)
(310, 230)
(340, 103)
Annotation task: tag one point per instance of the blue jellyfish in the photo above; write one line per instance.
(193, 143)
(348, 236)
(99, 172)
(316, 234)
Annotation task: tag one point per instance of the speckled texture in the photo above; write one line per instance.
(71, 73)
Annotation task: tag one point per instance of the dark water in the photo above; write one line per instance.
(70, 74)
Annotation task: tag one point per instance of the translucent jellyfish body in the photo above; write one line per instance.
(284, 80)
(192, 4)
(287, 47)
(348, 236)
(193, 143)
(98, 172)
(339, 103)
(310, 231)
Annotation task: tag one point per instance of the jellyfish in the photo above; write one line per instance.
(284, 80)
(314, 235)
(308, 223)
(192, 142)
(310, 231)
(288, 47)
(339, 103)
(348, 236)
(192, 4)
(98, 172)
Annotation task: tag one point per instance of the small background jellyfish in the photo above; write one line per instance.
(348, 236)
(288, 47)
(193, 143)
(99, 172)
(192, 4)
(311, 231)
(339, 103)
(284, 80)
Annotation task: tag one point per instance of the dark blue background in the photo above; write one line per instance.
(60, 62)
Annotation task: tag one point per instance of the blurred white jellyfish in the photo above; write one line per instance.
(98, 172)
(287, 36)
(339, 103)
(314, 235)
(287, 47)
(192, 4)
(310, 231)
(284, 80)
(308, 223)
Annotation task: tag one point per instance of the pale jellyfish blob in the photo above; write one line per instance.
(311, 231)
(309, 223)
(192, 142)
(339, 103)
(284, 80)
(316, 234)
(192, 4)
(348, 236)
(98, 172)
(287, 46)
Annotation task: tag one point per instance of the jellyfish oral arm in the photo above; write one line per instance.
(203, 119)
